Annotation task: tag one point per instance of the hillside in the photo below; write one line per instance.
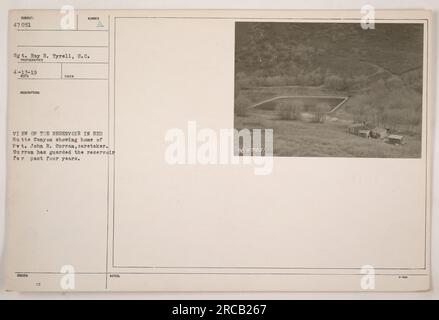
(334, 48)
(303, 68)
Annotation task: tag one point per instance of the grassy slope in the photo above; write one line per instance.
(303, 139)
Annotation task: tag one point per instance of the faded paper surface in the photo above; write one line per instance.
(131, 221)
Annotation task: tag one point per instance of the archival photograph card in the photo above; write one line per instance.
(218, 150)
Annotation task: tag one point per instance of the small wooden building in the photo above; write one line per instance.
(395, 139)
(378, 133)
(364, 133)
(355, 128)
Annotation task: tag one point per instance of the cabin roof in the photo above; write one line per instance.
(395, 136)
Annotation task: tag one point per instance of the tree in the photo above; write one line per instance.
(320, 112)
(335, 82)
(290, 110)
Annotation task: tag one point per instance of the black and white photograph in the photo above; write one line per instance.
(331, 89)
(175, 152)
